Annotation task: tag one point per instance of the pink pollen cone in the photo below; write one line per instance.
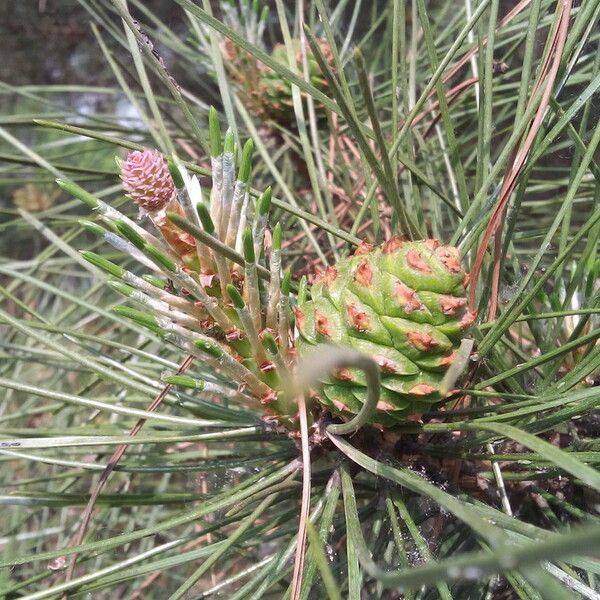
(147, 181)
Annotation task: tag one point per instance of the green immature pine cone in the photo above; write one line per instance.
(403, 304)
(276, 94)
(245, 72)
(262, 90)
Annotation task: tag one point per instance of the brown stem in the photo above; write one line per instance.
(112, 463)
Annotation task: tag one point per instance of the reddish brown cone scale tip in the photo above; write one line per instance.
(340, 406)
(327, 276)
(449, 258)
(422, 389)
(407, 298)
(363, 248)
(322, 324)
(393, 244)
(468, 319)
(415, 261)
(446, 361)
(385, 406)
(330, 275)
(358, 319)
(343, 374)
(317, 275)
(450, 305)
(432, 244)
(300, 318)
(385, 364)
(364, 274)
(422, 341)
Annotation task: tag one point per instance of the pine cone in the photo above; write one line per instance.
(404, 305)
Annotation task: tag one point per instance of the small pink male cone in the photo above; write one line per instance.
(147, 181)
